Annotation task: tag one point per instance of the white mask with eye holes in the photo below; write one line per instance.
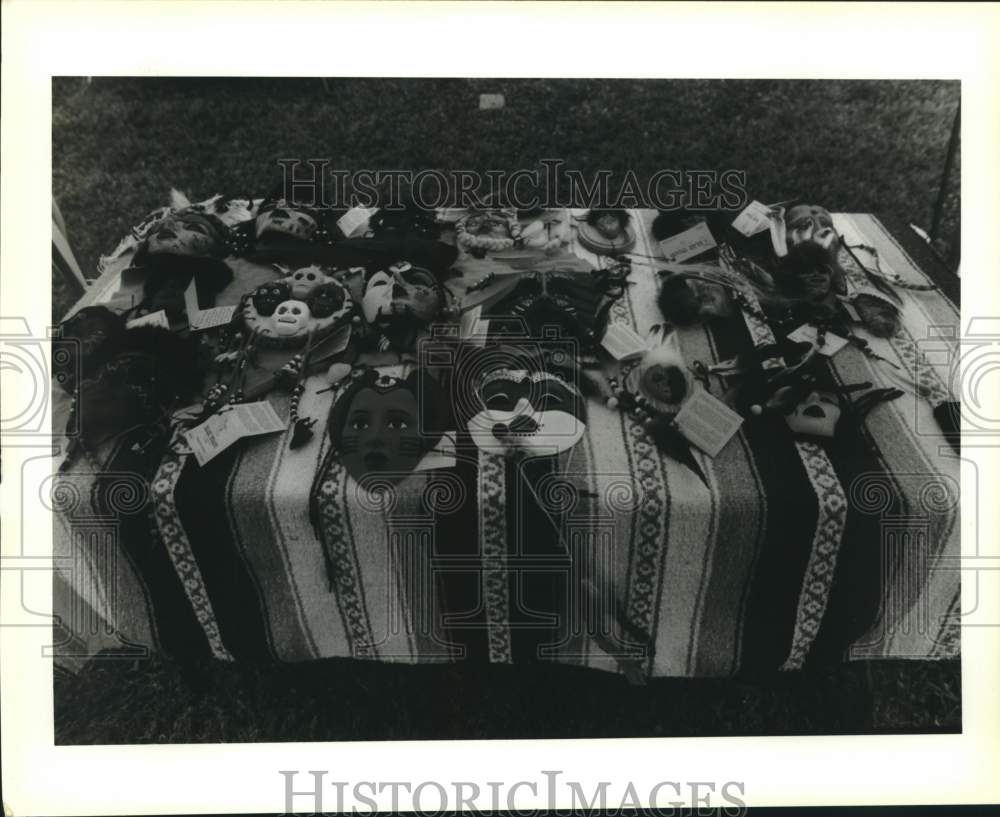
(816, 416)
(290, 317)
(399, 291)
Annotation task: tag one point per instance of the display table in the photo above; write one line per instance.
(611, 555)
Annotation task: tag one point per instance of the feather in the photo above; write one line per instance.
(178, 201)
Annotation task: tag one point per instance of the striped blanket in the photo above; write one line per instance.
(611, 555)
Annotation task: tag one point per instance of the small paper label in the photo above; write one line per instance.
(688, 244)
(707, 422)
(353, 219)
(622, 343)
(221, 430)
(153, 319)
(754, 219)
(210, 318)
(807, 333)
(472, 328)
(199, 319)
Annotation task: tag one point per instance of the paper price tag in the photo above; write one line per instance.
(473, 328)
(210, 318)
(754, 219)
(354, 219)
(808, 334)
(707, 422)
(622, 343)
(688, 244)
(221, 430)
(153, 319)
(200, 319)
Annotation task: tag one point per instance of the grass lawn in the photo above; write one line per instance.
(120, 144)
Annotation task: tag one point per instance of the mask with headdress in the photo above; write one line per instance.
(382, 425)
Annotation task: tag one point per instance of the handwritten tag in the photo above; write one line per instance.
(622, 343)
(201, 319)
(808, 333)
(353, 219)
(221, 430)
(210, 318)
(153, 319)
(691, 242)
(754, 219)
(707, 422)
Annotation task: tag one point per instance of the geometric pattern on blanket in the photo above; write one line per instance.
(782, 555)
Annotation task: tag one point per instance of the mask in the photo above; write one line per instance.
(404, 291)
(326, 299)
(609, 225)
(383, 425)
(816, 416)
(286, 220)
(532, 413)
(267, 297)
(291, 317)
(809, 223)
(304, 281)
(713, 300)
(187, 234)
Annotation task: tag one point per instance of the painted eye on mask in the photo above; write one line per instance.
(498, 400)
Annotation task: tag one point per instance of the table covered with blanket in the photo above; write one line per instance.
(612, 554)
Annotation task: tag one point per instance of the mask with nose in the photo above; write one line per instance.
(383, 425)
(285, 219)
(402, 299)
(816, 415)
(526, 412)
(188, 233)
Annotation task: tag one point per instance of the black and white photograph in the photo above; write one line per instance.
(471, 407)
(451, 406)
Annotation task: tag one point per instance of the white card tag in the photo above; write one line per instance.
(210, 318)
(622, 343)
(807, 333)
(353, 219)
(199, 319)
(472, 328)
(707, 422)
(152, 319)
(688, 244)
(221, 430)
(754, 219)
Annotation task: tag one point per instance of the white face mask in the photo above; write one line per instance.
(403, 290)
(816, 416)
(290, 317)
(533, 414)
